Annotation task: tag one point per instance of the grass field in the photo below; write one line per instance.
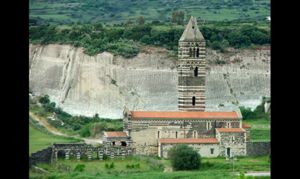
(211, 168)
(39, 139)
(260, 129)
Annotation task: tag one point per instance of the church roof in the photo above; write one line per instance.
(184, 115)
(115, 134)
(189, 141)
(191, 32)
(230, 129)
(246, 125)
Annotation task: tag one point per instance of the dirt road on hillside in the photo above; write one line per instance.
(43, 122)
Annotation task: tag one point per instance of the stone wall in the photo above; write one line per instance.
(258, 148)
(42, 156)
(203, 149)
(77, 151)
(235, 141)
(145, 133)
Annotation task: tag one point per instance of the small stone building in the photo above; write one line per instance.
(116, 138)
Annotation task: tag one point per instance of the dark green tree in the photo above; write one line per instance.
(178, 17)
(44, 100)
(184, 157)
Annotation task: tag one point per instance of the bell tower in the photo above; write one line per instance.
(191, 69)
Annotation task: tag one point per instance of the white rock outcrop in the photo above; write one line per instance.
(104, 84)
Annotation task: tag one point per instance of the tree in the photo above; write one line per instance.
(44, 100)
(140, 20)
(178, 17)
(184, 157)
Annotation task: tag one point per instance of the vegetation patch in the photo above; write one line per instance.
(211, 168)
(127, 40)
(38, 139)
(82, 125)
(129, 11)
(184, 157)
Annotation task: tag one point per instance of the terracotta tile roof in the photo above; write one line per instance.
(246, 125)
(189, 141)
(116, 134)
(182, 115)
(230, 129)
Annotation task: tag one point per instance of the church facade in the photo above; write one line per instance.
(212, 134)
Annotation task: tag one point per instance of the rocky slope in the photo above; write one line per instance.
(104, 84)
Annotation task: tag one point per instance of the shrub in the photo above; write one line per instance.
(184, 158)
(79, 168)
(107, 166)
(129, 166)
(44, 100)
(133, 165)
(112, 165)
(85, 131)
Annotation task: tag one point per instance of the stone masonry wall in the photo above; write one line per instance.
(144, 133)
(258, 148)
(236, 141)
(42, 156)
(203, 149)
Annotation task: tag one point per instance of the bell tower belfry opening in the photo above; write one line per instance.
(191, 68)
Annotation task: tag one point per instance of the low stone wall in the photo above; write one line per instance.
(83, 150)
(52, 153)
(42, 156)
(258, 148)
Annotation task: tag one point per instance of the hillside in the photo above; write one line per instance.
(40, 138)
(105, 83)
(116, 11)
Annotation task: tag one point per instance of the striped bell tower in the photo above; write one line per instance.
(191, 69)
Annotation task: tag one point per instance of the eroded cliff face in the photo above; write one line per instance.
(104, 84)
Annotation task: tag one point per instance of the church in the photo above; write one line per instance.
(212, 134)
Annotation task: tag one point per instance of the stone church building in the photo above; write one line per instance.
(212, 134)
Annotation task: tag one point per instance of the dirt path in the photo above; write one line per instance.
(42, 121)
(256, 173)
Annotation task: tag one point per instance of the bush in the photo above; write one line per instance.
(106, 166)
(133, 166)
(85, 131)
(110, 166)
(184, 157)
(79, 168)
(44, 100)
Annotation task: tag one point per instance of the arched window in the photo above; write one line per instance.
(194, 52)
(194, 100)
(191, 52)
(196, 72)
(228, 125)
(176, 134)
(158, 134)
(197, 54)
